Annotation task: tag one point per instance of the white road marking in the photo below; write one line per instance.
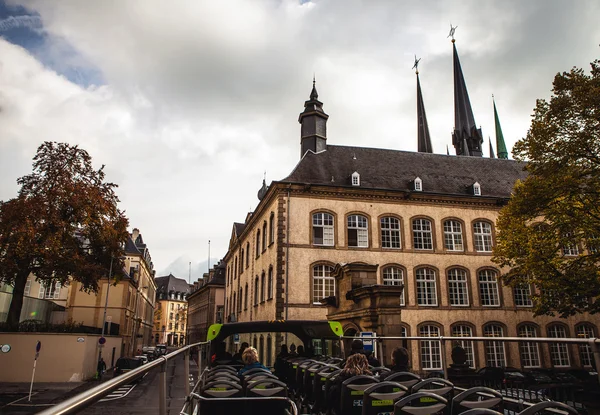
(119, 393)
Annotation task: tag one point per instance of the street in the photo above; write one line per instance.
(141, 397)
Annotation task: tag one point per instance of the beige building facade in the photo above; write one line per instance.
(170, 316)
(206, 303)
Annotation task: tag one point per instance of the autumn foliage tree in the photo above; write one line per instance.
(549, 233)
(64, 224)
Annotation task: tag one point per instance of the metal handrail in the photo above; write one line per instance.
(591, 340)
(89, 397)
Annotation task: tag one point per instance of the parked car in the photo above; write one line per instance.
(150, 351)
(162, 349)
(125, 364)
(502, 374)
(143, 358)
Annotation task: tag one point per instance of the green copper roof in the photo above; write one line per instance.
(500, 146)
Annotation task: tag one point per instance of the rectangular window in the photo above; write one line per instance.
(49, 291)
(585, 352)
(390, 233)
(358, 233)
(453, 240)
(323, 283)
(488, 289)
(394, 276)
(422, 237)
(483, 236)
(494, 351)
(559, 352)
(457, 287)
(323, 229)
(530, 353)
(27, 288)
(426, 287)
(522, 294)
(431, 356)
(570, 248)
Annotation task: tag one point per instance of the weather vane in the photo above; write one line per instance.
(416, 65)
(452, 30)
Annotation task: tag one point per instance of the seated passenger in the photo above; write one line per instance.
(356, 364)
(250, 359)
(399, 362)
(293, 350)
(301, 351)
(238, 356)
(358, 347)
(221, 354)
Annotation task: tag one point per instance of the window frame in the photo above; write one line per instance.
(495, 351)
(529, 352)
(264, 236)
(272, 228)
(453, 234)
(489, 284)
(428, 283)
(518, 295)
(559, 351)
(465, 288)
(270, 284)
(391, 232)
(258, 243)
(422, 233)
(402, 280)
(585, 330)
(480, 242)
(323, 227)
(362, 233)
(465, 344)
(324, 277)
(263, 287)
(256, 292)
(430, 351)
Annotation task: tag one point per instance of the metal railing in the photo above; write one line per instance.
(89, 397)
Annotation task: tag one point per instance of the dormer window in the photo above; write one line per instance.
(476, 189)
(355, 179)
(418, 185)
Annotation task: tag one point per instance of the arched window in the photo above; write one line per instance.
(264, 241)
(242, 260)
(426, 287)
(482, 232)
(323, 283)
(488, 288)
(256, 291)
(323, 230)
(233, 304)
(530, 352)
(453, 239)
(394, 276)
(495, 355)
(247, 254)
(522, 295)
(272, 228)
(422, 234)
(390, 233)
(235, 269)
(585, 331)
(559, 352)
(358, 231)
(457, 287)
(262, 287)
(258, 244)
(246, 297)
(570, 247)
(270, 284)
(431, 356)
(465, 331)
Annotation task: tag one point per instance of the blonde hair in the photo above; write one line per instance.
(357, 364)
(250, 356)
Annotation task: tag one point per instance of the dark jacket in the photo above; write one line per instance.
(251, 366)
(394, 369)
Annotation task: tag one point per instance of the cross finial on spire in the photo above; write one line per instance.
(416, 65)
(313, 94)
(452, 30)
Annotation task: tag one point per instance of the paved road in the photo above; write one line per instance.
(142, 397)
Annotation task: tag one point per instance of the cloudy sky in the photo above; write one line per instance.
(188, 104)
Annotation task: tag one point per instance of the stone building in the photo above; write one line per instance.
(170, 316)
(206, 303)
(395, 242)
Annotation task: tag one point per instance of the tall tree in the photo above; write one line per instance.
(63, 224)
(549, 231)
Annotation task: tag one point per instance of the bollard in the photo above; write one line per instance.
(186, 359)
(162, 388)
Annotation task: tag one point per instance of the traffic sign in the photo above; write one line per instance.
(38, 346)
(236, 338)
(366, 337)
(101, 340)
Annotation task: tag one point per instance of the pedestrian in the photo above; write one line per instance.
(101, 367)
(250, 359)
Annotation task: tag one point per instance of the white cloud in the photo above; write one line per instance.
(200, 98)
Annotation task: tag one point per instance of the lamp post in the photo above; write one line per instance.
(104, 318)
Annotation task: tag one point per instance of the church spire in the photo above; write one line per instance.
(492, 155)
(465, 129)
(500, 146)
(424, 139)
(313, 120)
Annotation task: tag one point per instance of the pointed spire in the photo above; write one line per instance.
(492, 155)
(313, 120)
(424, 139)
(465, 129)
(502, 153)
(313, 94)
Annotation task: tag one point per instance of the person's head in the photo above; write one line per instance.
(293, 348)
(243, 347)
(357, 364)
(300, 350)
(284, 349)
(250, 356)
(400, 356)
(356, 346)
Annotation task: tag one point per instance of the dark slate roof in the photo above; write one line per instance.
(130, 247)
(219, 275)
(171, 283)
(239, 228)
(395, 170)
